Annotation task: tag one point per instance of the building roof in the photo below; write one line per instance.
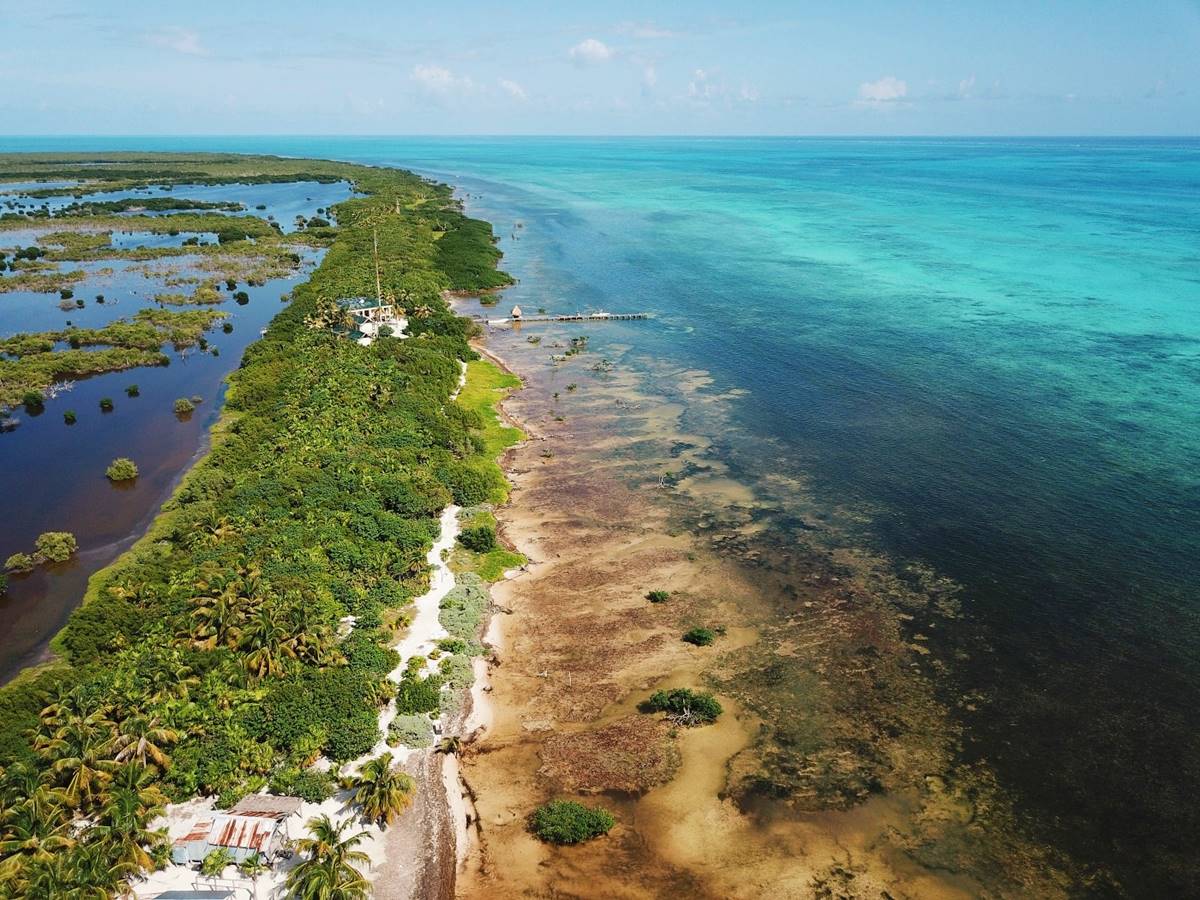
(358, 303)
(267, 805)
(242, 835)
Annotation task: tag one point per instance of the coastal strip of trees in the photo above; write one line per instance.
(249, 632)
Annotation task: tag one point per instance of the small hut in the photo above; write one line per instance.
(516, 312)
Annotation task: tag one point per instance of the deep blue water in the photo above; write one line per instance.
(990, 347)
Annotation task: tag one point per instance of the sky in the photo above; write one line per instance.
(900, 67)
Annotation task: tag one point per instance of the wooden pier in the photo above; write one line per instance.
(568, 317)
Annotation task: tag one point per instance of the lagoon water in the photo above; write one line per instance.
(987, 350)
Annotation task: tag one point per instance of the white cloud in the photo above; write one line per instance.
(514, 89)
(649, 76)
(181, 40)
(966, 87)
(439, 80)
(591, 51)
(888, 89)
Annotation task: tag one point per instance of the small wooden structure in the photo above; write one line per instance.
(255, 825)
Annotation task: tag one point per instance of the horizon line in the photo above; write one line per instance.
(595, 136)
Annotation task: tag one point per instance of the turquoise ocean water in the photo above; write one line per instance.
(990, 346)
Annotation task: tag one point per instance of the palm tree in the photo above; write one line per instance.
(252, 867)
(216, 862)
(218, 619)
(330, 871)
(267, 641)
(141, 739)
(450, 746)
(121, 828)
(26, 837)
(80, 755)
(381, 791)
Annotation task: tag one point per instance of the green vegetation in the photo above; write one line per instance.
(478, 550)
(331, 865)
(106, 404)
(50, 546)
(478, 538)
(382, 791)
(55, 546)
(132, 391)
(127, 343)
(69, 417)
(183, 406)
(20, 563)
(3, 584)
(411, 731)
(568, 822)
(216, 637)
(658, 596)
(121, 469)
(684, 706)
(701, 637)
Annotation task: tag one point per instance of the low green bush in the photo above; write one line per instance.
(20, 562)
(418, 695)
(658, 596)
(183, 406)
(309, 785)
(568, 822)
(701, 637)
(480, 538)
(685, 706)
(121, 469)
(56, 546)
(411, 731)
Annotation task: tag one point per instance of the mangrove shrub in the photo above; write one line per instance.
(568, 822)
(685, 706)
(55, 546)
(480, 538)
(121, 469)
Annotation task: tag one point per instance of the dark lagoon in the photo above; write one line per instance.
(52, 474)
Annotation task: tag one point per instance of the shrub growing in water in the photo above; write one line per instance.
(20, 562)
(56, 546)
(568, 822)
(106, 404)
(33, 400)
(183, 406)
(701, 637)
(480, 538)
(121, 469)
(132, 391)
(685, 706)
(69, 417)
